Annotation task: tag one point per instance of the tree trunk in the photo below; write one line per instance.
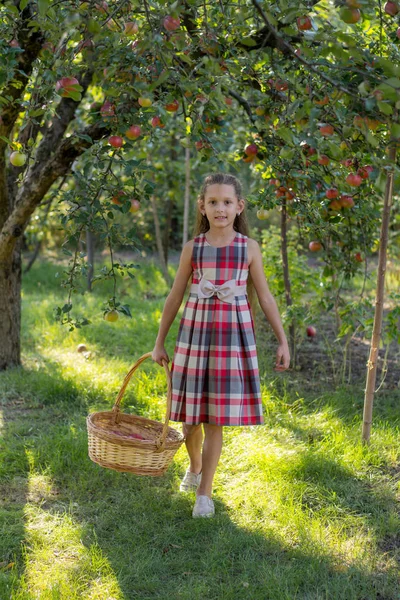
(187, 197)
(163, 264)
(170, 203)
(90, 258)
(10, 310)
(380, 290)
(286, 279)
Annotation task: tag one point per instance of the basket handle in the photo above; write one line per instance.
(116, 408)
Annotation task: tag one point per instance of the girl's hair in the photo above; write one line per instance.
(240, 223)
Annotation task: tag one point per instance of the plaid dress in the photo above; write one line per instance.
(215, 377)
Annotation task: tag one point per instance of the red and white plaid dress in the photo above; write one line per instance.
(215, 377)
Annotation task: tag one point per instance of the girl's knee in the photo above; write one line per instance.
(210, 429)
(190, 429)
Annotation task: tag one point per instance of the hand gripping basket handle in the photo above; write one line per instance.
(116, 408)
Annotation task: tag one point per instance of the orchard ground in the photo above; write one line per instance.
(304, 510)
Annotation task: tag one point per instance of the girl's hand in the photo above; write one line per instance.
(158, 354)
(282, 357)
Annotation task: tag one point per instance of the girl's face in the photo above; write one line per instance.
(221, 205)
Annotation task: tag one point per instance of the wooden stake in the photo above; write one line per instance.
(380, 289)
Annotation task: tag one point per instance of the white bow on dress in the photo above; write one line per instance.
(225, 291)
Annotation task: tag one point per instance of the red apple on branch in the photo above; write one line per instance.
(363, 173)
(354, 180)
(171, 23)
(133, 132)
(335, 205)
(281, 86)
(332, 193)
(156, 122)
(135, 206)
(172, 106)
(116, 198)
(304, 23)
(116, 141)
(67, 85)
(323, 160)
(347, 162)
(326, 129)
(251, 149)
(108, 109)
(346, 201)
(391, 8)
(323, 102)
(350, 15)
(314, 246)
(311, 331)
(131, 28)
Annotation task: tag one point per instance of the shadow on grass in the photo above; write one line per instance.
(142, 527)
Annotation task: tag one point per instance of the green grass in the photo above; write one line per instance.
(304, 510)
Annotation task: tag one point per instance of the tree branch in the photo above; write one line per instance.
(31, 43)
(287, 49)
(38, 182)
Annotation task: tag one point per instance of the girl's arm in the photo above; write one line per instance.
(268, 304)
(173, 301)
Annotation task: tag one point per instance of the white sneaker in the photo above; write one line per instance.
(204, 507)
(190, 482)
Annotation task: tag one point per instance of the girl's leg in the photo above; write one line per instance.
(211, 453)
(193, 440)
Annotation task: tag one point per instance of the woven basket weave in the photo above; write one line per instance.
(130, 443)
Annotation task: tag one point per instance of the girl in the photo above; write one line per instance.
(215, 377)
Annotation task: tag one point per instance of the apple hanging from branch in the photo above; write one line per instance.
(133, 132)
(17, 159)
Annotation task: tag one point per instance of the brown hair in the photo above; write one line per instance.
(240, 223)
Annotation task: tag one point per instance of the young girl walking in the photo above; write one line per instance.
(215, 377)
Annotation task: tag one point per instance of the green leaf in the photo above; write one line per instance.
(162, 78)
(43, 6)
(371, 139)
(6, 140)
(350, 40)
(23, 4)
(384, 107)
(285, 133)
(388, 66)
(395, 130)
(248, 41)
(66, 308)
(380, 182)
(393, 82)
(125, 310)
(85, 137)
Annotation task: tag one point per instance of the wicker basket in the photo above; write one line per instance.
(129, 443)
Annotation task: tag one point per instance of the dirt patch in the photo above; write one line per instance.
(324, 360)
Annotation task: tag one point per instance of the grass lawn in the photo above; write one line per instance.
(303, 509)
